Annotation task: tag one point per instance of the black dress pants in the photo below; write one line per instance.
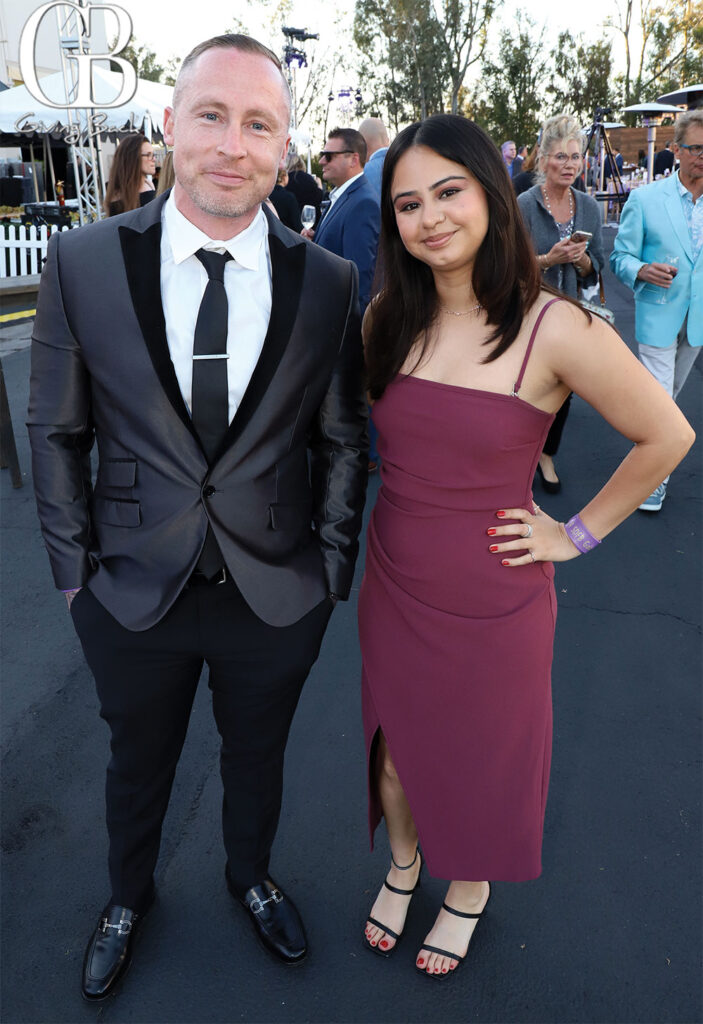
(146, 683)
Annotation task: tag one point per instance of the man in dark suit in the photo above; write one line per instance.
(215, 357)
(350, 226)
(663, 161)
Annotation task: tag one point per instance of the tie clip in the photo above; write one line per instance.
(215, 355)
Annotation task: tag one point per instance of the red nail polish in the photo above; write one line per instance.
(436, 970)
(421, 963)
(383, 944)
(444, 970)
(500, 514)
(493, 547)
(492, 532)
(505, 562)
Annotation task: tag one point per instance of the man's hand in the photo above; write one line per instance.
(661, 274)
(308, 233)
(70, 594)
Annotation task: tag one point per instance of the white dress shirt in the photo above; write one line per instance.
(247, 284)
(341, 189)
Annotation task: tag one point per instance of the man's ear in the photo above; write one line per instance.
(168, 125)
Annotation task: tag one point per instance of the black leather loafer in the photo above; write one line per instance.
(109, 952)
(275, 919)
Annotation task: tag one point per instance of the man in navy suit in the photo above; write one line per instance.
(350, 226)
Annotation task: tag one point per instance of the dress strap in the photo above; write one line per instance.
(518, 383)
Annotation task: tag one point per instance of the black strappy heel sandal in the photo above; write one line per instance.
(448, 952)
(399, 892)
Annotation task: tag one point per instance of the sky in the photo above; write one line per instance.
(156, 26)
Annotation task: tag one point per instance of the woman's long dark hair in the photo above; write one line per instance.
(506, 279)
(125, 174)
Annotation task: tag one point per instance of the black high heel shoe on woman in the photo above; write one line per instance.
(399, 892)
(550, 486)
(447, 952)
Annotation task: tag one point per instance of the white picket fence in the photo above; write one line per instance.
(22, 253)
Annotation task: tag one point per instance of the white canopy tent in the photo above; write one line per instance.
(24, 120)
(145, 111)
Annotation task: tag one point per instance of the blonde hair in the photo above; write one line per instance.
(560, 129)
(686, 121)
(166, 176)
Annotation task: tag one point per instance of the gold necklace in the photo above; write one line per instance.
(549, 208)
(464, 312)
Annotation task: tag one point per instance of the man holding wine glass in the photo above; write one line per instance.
(350, 226)
(657, 253)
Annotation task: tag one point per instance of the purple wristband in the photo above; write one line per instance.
(579, 535)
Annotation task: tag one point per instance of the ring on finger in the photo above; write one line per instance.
(529, 532)
(532, 556)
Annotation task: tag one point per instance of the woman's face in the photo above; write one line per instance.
(440, 209)
(148, 159)
(563, 163)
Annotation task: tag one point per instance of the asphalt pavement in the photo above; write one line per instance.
(611, 932)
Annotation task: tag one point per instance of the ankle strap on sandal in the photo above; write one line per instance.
(405, 867)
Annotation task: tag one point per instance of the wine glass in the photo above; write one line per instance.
(671, 261)
(307, 216)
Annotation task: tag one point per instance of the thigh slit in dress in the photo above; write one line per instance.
(457, 648)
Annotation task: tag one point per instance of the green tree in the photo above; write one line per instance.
(402, 57)
(675, 56)
(580, 79)
(463, 25)
(509, 101)
(143, 60)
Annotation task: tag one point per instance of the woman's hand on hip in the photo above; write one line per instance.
(543, 538)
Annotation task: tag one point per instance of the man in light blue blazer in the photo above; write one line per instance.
(658, 253)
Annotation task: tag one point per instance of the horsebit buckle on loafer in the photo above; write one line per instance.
(122, 928)
(257, 905)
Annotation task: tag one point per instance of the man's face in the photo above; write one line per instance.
(510, 151)
(229, 131)
(340, 167)
(691, 169)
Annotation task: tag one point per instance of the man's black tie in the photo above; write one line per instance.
(210, 390)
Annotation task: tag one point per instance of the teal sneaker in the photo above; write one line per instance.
(655, 500)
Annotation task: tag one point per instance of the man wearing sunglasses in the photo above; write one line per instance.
(350, 226)
(658, 252)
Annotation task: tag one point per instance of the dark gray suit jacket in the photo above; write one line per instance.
(286, 492)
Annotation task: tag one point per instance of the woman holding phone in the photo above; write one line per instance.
(565, 227)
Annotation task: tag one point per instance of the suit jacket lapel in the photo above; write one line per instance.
(287, 269)
(336, 207)
(141, 251)
(672, 202)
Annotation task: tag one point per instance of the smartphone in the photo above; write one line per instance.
(582, 236)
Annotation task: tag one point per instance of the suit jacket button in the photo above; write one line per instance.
(208, 491)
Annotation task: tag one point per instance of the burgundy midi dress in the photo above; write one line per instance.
(457, 648)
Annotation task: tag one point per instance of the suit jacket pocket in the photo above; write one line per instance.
(117, 472)
(114, 512)
(291, 516)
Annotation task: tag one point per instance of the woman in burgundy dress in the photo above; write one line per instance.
(469, 357)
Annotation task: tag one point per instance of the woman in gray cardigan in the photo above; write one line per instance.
(553, 210)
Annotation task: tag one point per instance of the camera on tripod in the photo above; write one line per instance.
(602, 113)
(300, 34)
